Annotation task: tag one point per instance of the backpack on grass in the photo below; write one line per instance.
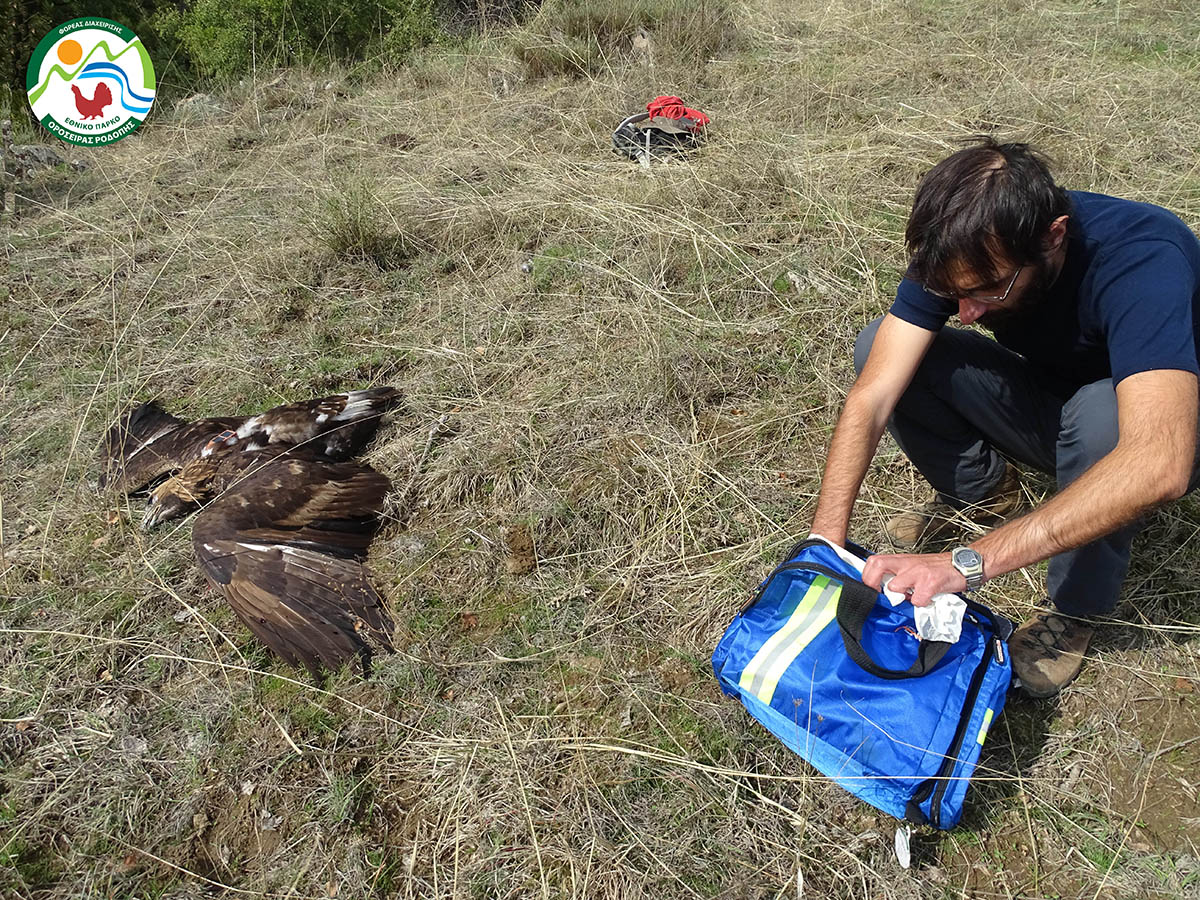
(667, 128)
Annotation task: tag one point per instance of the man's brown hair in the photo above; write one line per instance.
(988, 201)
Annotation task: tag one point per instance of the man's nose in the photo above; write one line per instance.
(969, 310)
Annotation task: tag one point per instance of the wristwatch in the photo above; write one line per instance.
(970, 565)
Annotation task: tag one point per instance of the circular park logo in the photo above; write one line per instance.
(90, 82)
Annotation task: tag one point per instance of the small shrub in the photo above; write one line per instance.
(581, 37)
(553, 266)
(544, 56)
(355, 223)
(227, 38)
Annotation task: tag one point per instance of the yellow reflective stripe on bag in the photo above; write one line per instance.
(817, 609)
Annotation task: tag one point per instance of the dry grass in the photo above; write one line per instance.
(651, 399)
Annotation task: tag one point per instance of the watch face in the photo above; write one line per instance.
(967, 558)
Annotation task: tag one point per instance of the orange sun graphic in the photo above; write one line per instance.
(69, 52)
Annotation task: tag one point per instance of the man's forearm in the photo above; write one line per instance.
(850, 452)
(1108, 495)
(1117, 490)
(1151, 464)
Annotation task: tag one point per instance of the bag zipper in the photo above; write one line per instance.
(941, 781)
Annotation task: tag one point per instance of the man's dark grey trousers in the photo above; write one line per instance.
(973, 400)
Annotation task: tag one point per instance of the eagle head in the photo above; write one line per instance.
(179, 494)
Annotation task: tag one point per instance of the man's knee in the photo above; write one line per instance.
(1088, 429)
(862, 344)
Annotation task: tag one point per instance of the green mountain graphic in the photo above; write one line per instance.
(135, 46)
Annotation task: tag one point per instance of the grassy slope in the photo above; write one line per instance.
(652, 400)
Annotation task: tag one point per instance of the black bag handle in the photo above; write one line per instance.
(854, 606)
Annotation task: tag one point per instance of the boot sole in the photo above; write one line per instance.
(1036, 694)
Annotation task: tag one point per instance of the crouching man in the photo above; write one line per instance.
(1094, 303)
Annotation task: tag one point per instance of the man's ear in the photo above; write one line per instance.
(1055, 234)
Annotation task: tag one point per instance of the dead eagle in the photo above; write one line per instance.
(149, 443)
(288, 521)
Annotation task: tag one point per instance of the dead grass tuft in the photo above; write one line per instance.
(583, 38)
(356, 224)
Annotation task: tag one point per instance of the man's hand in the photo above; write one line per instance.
(919, 576)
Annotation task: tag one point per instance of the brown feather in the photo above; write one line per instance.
(148, 443)
(287, 535)
(308, 607)
(285, 544)
(339, 426)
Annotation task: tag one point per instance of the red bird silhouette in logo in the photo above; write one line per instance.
(94, 108)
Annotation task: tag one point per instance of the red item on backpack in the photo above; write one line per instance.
(673, 108)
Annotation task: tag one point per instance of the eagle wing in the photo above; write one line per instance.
(286, 545)
(339, 426)
(148, 443)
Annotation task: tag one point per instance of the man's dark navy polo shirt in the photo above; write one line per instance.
(1127, 299)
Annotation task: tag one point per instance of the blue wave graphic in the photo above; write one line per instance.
(114, 68)
(109, 70)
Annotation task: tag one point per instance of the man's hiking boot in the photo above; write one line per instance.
(1047, 652)
(935, 519)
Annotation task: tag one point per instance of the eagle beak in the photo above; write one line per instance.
(150, 519)
(156, 512)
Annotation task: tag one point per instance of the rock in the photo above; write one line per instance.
(410, 546)
(642, 45)
(267, 821)
(26, 159)
(133, 745)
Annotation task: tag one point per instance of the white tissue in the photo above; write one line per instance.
(893, 597)
(941, 620)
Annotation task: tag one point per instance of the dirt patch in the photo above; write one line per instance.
(232, 826)
(521, 557)
(1153, 784)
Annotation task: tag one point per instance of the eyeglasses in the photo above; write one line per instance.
(972, 295)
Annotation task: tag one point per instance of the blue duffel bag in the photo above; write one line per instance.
(839, 674)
